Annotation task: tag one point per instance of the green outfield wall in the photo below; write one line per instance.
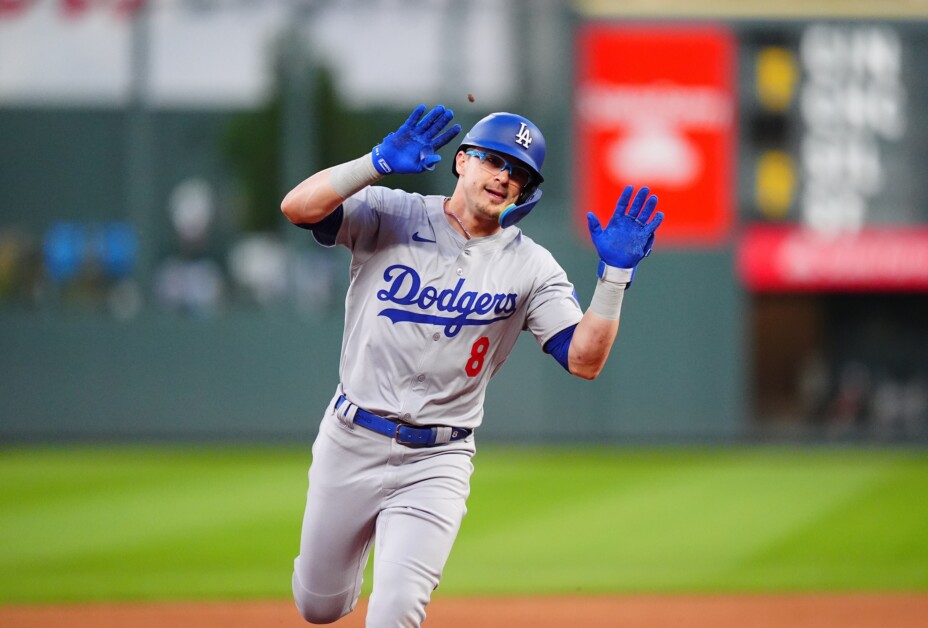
(675, 372)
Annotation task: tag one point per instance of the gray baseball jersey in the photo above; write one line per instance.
(430, 317)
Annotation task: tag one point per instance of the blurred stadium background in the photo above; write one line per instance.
(149, 287)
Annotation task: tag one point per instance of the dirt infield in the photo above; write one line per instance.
(743, 611)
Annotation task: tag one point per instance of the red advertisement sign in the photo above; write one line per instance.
(655, 106)
(793, 259)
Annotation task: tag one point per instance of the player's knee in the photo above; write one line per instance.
(315, 614)
(321, 609)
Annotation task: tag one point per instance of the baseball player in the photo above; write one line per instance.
(440, 289)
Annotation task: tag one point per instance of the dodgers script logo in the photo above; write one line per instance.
(404, 287)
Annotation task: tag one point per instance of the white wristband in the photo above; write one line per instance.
(353, 176)
(607, 299)
(614, 274)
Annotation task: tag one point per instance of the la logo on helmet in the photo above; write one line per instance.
(524, 136)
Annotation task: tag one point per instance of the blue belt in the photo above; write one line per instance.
(408, 435)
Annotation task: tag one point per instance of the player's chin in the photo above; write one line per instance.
(493, 211)
(498, 200)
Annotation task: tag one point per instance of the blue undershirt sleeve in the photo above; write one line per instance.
(559, 344)
(326, 229)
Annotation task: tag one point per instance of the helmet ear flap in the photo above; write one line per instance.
(514, 213)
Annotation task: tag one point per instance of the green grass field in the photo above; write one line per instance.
(148, 523)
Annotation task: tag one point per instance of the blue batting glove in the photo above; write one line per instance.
(628, 237)
(412, 147)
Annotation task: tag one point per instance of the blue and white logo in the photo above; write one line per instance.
(404, 287)
(524, 136)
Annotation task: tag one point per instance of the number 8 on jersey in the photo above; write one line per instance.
(478, 352)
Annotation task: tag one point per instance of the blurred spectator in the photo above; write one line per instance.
(190, 281)
(64, 249)
(192, 210)
(91, 265)
(314, 278)
(900, 407)
(116, 246)
(258, 264)
(849, 406)
(267, 272)
(190, 286)
(813, 386)
(116, 250)
(887, 407)
(20, 267)
(915, 405)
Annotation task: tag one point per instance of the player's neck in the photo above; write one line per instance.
(455, 221)
(467, 223)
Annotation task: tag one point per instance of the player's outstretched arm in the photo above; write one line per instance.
(411, 148)
(313, 199)
(621, 244)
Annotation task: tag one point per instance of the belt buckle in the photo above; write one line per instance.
(402, 441)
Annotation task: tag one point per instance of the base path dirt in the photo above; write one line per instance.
(682, 611)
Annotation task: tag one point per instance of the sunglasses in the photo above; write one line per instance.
(494, 164)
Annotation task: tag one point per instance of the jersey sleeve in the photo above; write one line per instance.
(369, 212)
(360, 221)
(553, 305)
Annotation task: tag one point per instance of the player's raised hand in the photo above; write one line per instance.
(412, 147)
(629, 235)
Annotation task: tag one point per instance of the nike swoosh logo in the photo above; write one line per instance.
(419, 238)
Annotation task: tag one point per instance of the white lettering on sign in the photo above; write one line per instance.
(657, 154)
(850, 259)
(852, 105)
(705, 108)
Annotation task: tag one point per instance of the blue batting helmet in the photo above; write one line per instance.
(508, 134)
